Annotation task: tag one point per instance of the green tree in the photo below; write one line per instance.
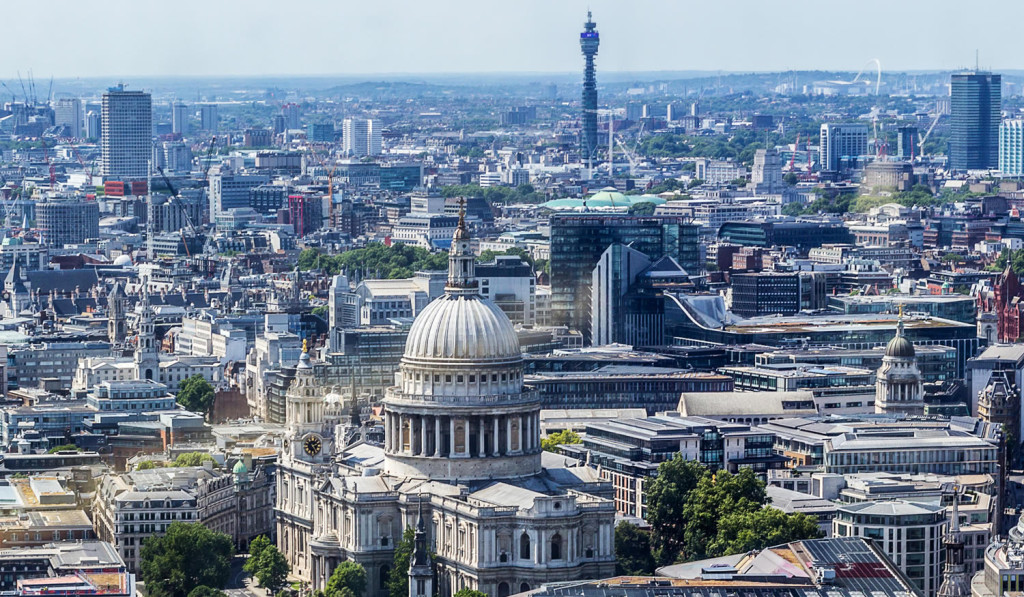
(398, 576)
(270, 567)
(205, 591)
(145, 465)
(192, 459)
(553, 440)
(321, 311)
(791, 179)
(644, 208)
(667, 495)
(467, 592)
(740, 532)
(186, 557)
(715, 497)
(63, 448)
(196, 394)
(633, 556)
(347, 575)
(256, 547)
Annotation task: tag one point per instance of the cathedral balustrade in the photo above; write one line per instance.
(466, 400)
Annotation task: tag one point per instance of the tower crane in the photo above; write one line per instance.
(330, 184)
(928, 133)
(181, 206)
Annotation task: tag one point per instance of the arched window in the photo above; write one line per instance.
(503, 589)
(524, 587)
(556, 547)
(524, 546)
(385, 572)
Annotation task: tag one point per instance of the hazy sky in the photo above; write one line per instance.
(115, 38)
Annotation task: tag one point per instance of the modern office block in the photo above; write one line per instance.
(975, 105)
(126, 138)
(1011, 147)
(842, 146)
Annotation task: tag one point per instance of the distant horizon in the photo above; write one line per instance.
(318, 38)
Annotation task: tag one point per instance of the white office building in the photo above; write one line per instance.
(361, 136)
(842, 146)
(1011, 147)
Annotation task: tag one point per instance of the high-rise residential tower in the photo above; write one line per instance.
(68, 112)
(179, 118)
(975, 102)
(1011, 147)
(361, 137)
(208, 117)
(589, 40)
(126, 136)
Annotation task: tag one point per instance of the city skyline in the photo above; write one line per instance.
(314, 38)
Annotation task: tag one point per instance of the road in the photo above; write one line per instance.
(240, 583)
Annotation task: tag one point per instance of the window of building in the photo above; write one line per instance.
(524, 546)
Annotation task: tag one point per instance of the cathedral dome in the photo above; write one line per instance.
(462, 327)
(899, 346)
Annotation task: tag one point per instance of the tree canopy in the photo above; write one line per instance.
(633, 556)
(398, 576)
(552, 441)
(467, 592)
(193, 459)
(347, 575)
(376, 261)
(205, 591)
(500, 194)
(267, 564)
(196, 394)
(696, 513)
(186, 557)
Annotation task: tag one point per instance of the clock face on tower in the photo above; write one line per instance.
(312, 445)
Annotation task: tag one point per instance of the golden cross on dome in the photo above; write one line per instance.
(305, 345)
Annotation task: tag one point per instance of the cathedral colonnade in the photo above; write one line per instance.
(461, 435)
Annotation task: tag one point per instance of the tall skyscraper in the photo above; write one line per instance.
(361, 136)
(589, 40)
(1011, 147)
(767, 171)
(208, 117)
(126, 138)
(975, 103)
(68, 112)
(179, 118)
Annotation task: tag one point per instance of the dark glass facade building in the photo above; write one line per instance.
(975, 105)
(578, 240)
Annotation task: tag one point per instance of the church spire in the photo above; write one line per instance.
(954, 576)
(421, 570)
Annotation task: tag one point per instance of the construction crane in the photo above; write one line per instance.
(330, 185)
(928, 133)
(78, 156)
(181, 206)
(49, 164)
(792, 158)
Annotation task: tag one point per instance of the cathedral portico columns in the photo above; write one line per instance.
(437, 437)
(481, 436)
(496, 422)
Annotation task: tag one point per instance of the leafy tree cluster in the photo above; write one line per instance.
(522, 194)
(267, 564)
(696, 513)
(192, 459)
(321, 311)
(1015, 259)
(553, 440)
(633, 555)
(642, 209)
(63, 448)
(196, 394)
(489, 255)
(186, 557)
(398, 576)
(146, 465)
(739, 146)
(347, 580)
(376, 260)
